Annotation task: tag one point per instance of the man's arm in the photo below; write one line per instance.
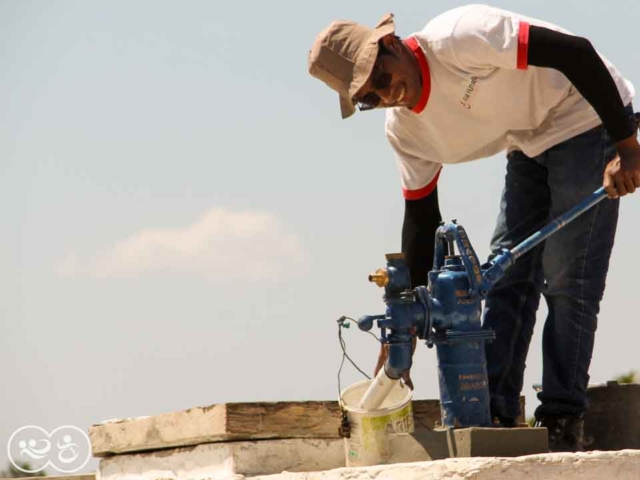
(421, 219)
(576, 58)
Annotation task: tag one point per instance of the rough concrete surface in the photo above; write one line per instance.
(623, 465)
(304, 459)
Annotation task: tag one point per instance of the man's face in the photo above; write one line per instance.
(395, 80)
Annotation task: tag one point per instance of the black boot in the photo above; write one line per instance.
(505, 422)
(566, 433)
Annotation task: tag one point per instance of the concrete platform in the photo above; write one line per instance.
(198, 463)
(623, 465)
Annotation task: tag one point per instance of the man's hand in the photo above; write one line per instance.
(622, 174)
(382, 358)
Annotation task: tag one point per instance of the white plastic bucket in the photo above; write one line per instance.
(370, 430)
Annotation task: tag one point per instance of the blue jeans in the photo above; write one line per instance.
(569, 269)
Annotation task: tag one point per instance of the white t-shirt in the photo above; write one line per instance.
(484, 97)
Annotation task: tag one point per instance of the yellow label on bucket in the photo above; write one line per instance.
(396, 422)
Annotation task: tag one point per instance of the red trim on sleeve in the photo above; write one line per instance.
(523, 46)
(422, 192)
(414, 46)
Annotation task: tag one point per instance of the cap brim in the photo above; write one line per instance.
(347, 107)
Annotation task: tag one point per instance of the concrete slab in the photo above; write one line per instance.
(201, 463)
(216, 423)
(623, 465)
(223, 460)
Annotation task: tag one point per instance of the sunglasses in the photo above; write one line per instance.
(379, 81)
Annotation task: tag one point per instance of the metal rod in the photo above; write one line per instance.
(555, 225)
(451, 246)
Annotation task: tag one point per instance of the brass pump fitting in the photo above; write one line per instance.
(380, 277)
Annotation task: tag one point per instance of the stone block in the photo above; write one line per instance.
(226, 460)
(216, 423)
(613, 419)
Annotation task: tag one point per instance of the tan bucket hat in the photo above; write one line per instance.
(343, 55)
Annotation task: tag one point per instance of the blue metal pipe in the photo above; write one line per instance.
(506, 258)
(551, 228)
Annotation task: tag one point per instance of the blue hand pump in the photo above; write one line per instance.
(447, 313)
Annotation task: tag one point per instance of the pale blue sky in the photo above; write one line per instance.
(185, 215)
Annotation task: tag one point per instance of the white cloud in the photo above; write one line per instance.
(221, 245)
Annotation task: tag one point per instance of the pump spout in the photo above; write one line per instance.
(399, 360)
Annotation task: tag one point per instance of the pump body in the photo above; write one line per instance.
(447, 313)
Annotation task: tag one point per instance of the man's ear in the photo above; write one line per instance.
(391, 43)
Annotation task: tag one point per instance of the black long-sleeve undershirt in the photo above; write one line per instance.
(421, 219)
(576, 58)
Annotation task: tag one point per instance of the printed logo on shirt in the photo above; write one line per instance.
(469, 92)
